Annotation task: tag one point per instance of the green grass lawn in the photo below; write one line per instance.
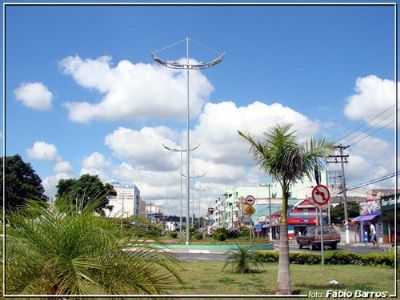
(201, 277)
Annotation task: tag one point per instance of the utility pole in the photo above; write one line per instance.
(342, 159)
(186, 66)
(329, 204)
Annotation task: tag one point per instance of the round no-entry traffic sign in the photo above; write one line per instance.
(320, 195)
(250, 200)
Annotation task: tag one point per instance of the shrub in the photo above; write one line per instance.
(267, 257)
(73, 253)
(304, 258)
(333, 258)
(221, 234)
(173, 234)
(244, 232)
(198, 236)
(242, 260)
(233, 234)
(343, 258)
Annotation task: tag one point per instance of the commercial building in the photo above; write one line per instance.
(268, 197)
(387, 217)
(126, 202)
(303, 214)
(377, 209)
(153, 213)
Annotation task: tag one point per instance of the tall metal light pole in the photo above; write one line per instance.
(187, 66)
(180, 179)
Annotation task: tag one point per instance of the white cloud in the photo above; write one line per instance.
(63, 169)
(34, 95)
(43, 151)
(132, 90)
(50, 183)
(62, 166)
(96, 164)
(215, 172)
(372, 147)
(368, 159)
(218, 124)
(144, 147)
(373, 96)
(223, 156)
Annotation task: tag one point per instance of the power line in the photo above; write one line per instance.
(369, 120)
(373, 129)
(372, 181)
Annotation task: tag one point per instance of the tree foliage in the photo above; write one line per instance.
(280, 155)
(21, 183)
(56, 253)
(337, 212)
(88, 190)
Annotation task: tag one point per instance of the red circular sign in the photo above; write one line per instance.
(250, 200)
(320, 195)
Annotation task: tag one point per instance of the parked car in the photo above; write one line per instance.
(312, 237)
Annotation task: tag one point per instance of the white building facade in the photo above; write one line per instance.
(126, 202)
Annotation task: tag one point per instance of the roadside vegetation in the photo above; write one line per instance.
(280, 155)
(52, 252)
(202, 277)
(242, 260)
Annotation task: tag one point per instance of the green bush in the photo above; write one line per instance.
(333, 258)
(242, 260)
(221, 234)
(244, 232)
(304, 258)
(267, 257)
(198, 236)
(233, 233)
(173, 234)
(343, 258)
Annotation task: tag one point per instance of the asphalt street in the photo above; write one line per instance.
(200, 256)
(293, 246)
(355, 248)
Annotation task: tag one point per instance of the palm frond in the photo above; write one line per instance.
(52, 252)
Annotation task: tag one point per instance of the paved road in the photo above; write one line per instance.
(293, 246)
(200, 256)
(358, 248)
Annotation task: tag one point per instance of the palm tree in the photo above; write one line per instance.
(242, 259)
(287, 161)
(56, 253)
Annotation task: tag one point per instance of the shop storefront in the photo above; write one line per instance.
(302, 215)
(387, 218)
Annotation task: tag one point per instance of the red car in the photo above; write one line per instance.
(312, 237)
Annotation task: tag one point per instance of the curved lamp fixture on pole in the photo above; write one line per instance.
(187, 66)
(180, 178)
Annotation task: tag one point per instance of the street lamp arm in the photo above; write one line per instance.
(198, 66)
(179, 150)
(196, 177)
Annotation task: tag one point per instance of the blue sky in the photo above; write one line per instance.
(305, 58)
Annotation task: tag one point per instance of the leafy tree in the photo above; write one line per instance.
(280, 155)
(337, 212)
(80, 253)
(242, 260)
(21, 183)
(88, 190)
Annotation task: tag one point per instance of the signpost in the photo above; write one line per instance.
(250, 200)
(321, 196)
(248, 210)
